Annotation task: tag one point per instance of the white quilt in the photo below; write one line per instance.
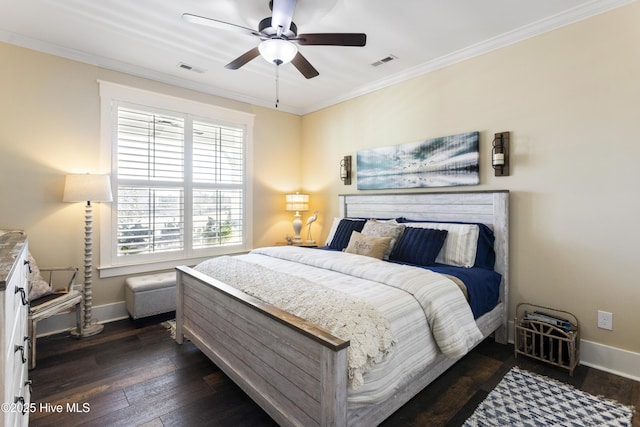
(427, 311)
(344, 316)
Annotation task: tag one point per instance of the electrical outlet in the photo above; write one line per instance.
(605, 320)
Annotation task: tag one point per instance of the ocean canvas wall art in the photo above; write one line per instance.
(440, 162)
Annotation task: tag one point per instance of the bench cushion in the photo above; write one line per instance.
(150, 294)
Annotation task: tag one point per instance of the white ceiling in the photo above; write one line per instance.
(148, 38)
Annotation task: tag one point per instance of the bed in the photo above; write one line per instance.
(295, 369)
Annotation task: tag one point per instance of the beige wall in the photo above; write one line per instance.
(571, 100)
(50, 126)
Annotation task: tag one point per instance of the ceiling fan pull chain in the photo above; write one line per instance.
(277, 84)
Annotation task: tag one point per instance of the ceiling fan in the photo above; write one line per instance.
(279, 35)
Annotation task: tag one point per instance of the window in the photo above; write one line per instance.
(179, 180)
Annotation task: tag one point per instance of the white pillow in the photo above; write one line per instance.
(459, 247)
(38, 287)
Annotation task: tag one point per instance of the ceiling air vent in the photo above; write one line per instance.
(191, 68)
(384, 60)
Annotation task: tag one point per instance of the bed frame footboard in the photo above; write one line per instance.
(297, 371)
(293, 369)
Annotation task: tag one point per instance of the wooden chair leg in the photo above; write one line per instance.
(32, 343)
(79, 317)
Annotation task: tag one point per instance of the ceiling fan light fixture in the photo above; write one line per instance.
(278, 51)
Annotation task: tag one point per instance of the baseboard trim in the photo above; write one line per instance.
(603, 357)
(66, 321)
(610, 359)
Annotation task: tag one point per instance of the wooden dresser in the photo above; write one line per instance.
(14, 336)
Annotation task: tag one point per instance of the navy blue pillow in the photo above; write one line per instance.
(343, 233)
(485, 255)
(419, 246)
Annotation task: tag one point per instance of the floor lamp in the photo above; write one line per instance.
(87, 188)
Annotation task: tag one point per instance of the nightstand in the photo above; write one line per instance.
(302, 244)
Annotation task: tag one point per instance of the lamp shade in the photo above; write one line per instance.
(278, 51)
(297, 202)
(87, 188)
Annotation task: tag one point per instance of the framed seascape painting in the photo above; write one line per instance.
(439, 162)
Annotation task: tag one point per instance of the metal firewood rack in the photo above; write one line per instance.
(554, 339)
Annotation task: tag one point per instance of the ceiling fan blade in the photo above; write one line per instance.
(282, 14)
(210, 22)
(304, 66)
(243, 59)
(332, 39)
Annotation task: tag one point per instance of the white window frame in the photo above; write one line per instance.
(110, 95)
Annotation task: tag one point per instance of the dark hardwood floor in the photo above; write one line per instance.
(134, 374)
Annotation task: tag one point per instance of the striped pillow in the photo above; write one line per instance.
(459, 247)
(419, 246)
(342, 234)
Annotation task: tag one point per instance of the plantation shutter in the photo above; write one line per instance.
(167, 204)
(218, 175)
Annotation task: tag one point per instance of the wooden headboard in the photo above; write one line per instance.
(487, 207)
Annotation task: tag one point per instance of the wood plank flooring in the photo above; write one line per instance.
(134, 374)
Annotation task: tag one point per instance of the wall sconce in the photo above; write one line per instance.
(500, 154)
(345, 170)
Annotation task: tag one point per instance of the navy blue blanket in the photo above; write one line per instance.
(483, 286)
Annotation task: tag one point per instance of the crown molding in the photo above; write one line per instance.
(551, 23)
(579, 13)
(123, 67)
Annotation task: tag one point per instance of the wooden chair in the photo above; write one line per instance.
(62, 299)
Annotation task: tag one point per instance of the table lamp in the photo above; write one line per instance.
(297, 203)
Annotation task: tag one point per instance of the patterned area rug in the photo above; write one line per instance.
(526, 399)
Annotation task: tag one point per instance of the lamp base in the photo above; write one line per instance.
(87, 331)
(297, 226)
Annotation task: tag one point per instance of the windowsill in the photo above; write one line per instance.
(123, 270)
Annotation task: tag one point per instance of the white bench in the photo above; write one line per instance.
(150, 294)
